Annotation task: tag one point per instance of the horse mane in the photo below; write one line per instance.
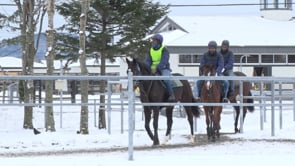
(143, 66)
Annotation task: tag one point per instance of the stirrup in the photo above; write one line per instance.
(171, 97)
(225, 100)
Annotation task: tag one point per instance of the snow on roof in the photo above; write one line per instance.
(170, 36)
(12, 62)
(239, 30)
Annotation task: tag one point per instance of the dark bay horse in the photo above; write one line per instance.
(153, 91)
(211, 93)
(246, 92)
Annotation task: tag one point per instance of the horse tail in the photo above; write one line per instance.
(196, 111)
(250, 100)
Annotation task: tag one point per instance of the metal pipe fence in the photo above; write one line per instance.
(272, 98)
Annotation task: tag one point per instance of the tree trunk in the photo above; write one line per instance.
(102, 87)
(28, 54)
(101, 114)
(50, 56)
(84, 83)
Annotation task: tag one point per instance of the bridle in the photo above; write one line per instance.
(139, 83)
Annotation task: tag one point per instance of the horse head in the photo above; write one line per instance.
(209, 70)
(138, 68)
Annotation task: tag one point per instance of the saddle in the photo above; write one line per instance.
(174, 83)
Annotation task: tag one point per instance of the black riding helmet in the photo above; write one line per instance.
(212, 44)
(225, 43)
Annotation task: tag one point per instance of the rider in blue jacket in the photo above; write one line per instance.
(158, 59)
(228, 57)
(212, 57)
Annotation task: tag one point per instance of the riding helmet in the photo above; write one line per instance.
(212, 44)
(158, 37)
(225, 43)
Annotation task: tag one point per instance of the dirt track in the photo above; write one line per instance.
(201, 140)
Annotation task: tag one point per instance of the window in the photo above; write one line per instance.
(171, 27)
(267, 59)
(280, 59)
(291, 58)
(189, 59)
(253, 59)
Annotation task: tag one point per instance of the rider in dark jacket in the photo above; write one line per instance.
(215, 58)
(228, 57)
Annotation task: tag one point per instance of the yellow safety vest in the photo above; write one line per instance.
(156, 56)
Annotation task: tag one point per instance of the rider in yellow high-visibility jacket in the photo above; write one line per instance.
(158, 59)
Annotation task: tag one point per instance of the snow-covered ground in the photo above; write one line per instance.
(65, 147)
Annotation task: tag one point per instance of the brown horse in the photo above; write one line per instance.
(247, 93)
(153, 91)
(211, 93)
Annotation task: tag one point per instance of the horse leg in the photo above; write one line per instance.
(237, 109)
(210, 129)
(147, 115)
(217, 124)
(155, 124)
(190, 121)
(244, 113)
(169, 113)
(207, 122)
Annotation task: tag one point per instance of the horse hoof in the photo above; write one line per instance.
(192, 139)
(165, 140)
(237, 131)
(155, 145)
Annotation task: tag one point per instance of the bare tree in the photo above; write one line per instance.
(50, 56)
(29, 13)
(84, 83)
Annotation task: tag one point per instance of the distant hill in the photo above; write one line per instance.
(15, 50)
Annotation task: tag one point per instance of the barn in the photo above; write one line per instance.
(263, 45)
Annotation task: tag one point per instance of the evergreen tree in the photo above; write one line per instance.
(113, 27)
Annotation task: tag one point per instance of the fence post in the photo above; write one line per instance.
(122, 112)
(262, 109)
(272, 109)
(109, 106)
(281, 107)
(293, 104)
(130, 115)
(241, 108)
(94, 112)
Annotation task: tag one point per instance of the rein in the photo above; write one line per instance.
(140, 84)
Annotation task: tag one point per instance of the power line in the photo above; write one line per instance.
(229, 4)
(203, 5)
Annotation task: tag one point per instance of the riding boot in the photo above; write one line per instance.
(225, 92)
(170, 91)
(171, 96)
(230, 93)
